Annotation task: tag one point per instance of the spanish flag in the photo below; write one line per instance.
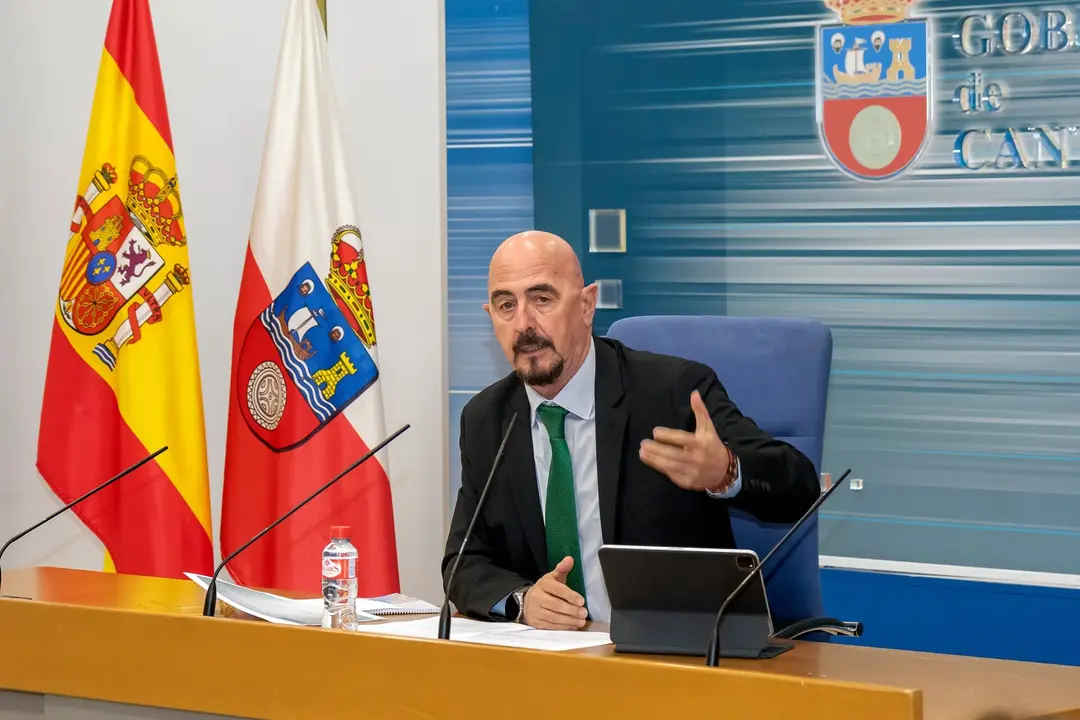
(123, 373)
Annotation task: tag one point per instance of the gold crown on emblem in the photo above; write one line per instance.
(154, 201)
(864, 12)
(348, 280)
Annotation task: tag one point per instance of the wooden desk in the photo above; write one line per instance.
(143, 641)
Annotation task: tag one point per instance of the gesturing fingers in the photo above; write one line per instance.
(663, 459)
(701, 415)
(677, 438)
(672, 454)
(557, 610)
(537, 615)
(566, 594)
(547, 620)
(562, 570)
(547, 610)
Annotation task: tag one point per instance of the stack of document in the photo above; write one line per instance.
(491, 633)
(289, 611)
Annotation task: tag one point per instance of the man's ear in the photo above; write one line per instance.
(487, 308)
(588, 302)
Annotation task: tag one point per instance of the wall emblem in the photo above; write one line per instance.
(873, 87)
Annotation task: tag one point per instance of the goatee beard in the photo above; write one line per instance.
(532, 341)
(540, 376)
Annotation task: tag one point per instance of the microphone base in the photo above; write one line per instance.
(210, 600)
(444, 621)
(766, 651)
(830, 626)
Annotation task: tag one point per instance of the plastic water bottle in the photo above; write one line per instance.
(339, 580)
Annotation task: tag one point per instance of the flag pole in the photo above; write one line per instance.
(322, 11)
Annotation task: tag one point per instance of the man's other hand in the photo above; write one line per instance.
(692, 460)
(550, 604)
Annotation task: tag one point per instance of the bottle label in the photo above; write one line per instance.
(331, 568)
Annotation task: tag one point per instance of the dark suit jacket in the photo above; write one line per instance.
(635, 392)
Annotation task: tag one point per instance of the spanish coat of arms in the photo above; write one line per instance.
(114, 260)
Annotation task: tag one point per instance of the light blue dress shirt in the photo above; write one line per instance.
(579, 399)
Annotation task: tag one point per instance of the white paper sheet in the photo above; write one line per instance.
(460, 628)
(490, 633)
(556, 640)
(272, 608)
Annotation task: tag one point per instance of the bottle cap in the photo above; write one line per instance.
(339, 532)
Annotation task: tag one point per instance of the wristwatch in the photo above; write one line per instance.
(515, 604)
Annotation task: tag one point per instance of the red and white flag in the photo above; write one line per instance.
(305, 391)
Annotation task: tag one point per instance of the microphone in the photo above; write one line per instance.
(82, 497)
(210, 599)
(713, 655)
(444, 613)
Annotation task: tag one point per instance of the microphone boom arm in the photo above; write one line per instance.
(713, 655)
(444, 612)
(82, 497)
(210, 601)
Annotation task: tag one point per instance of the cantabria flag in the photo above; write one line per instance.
(305, 396)
(123, 374)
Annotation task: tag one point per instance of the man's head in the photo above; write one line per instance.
(540, 308)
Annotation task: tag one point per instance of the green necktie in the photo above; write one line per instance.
(561, 511)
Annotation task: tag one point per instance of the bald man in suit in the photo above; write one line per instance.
(612, 445)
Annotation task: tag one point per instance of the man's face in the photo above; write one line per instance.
(542, 318)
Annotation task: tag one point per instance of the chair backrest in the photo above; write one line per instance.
(776, 370)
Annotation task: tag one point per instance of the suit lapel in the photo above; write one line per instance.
(610, 433)
(521, 467)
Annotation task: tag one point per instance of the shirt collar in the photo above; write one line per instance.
(579, 395)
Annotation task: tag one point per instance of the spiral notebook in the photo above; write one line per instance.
(396, 604)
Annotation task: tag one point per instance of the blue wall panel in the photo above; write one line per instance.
(961, 617)
(489, 179)
(952, 294)
(602, 142)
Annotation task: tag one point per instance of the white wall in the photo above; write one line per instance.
(389, 60)
(218, 61)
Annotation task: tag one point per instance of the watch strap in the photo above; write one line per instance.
(516, 609)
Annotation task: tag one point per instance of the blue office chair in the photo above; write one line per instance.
(776, 370)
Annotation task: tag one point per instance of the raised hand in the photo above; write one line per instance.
(692, 460)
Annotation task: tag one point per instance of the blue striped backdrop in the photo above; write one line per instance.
(489, 179)
(952, 294)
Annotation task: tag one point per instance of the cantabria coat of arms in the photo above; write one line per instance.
(873, 87)
(306, 356)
